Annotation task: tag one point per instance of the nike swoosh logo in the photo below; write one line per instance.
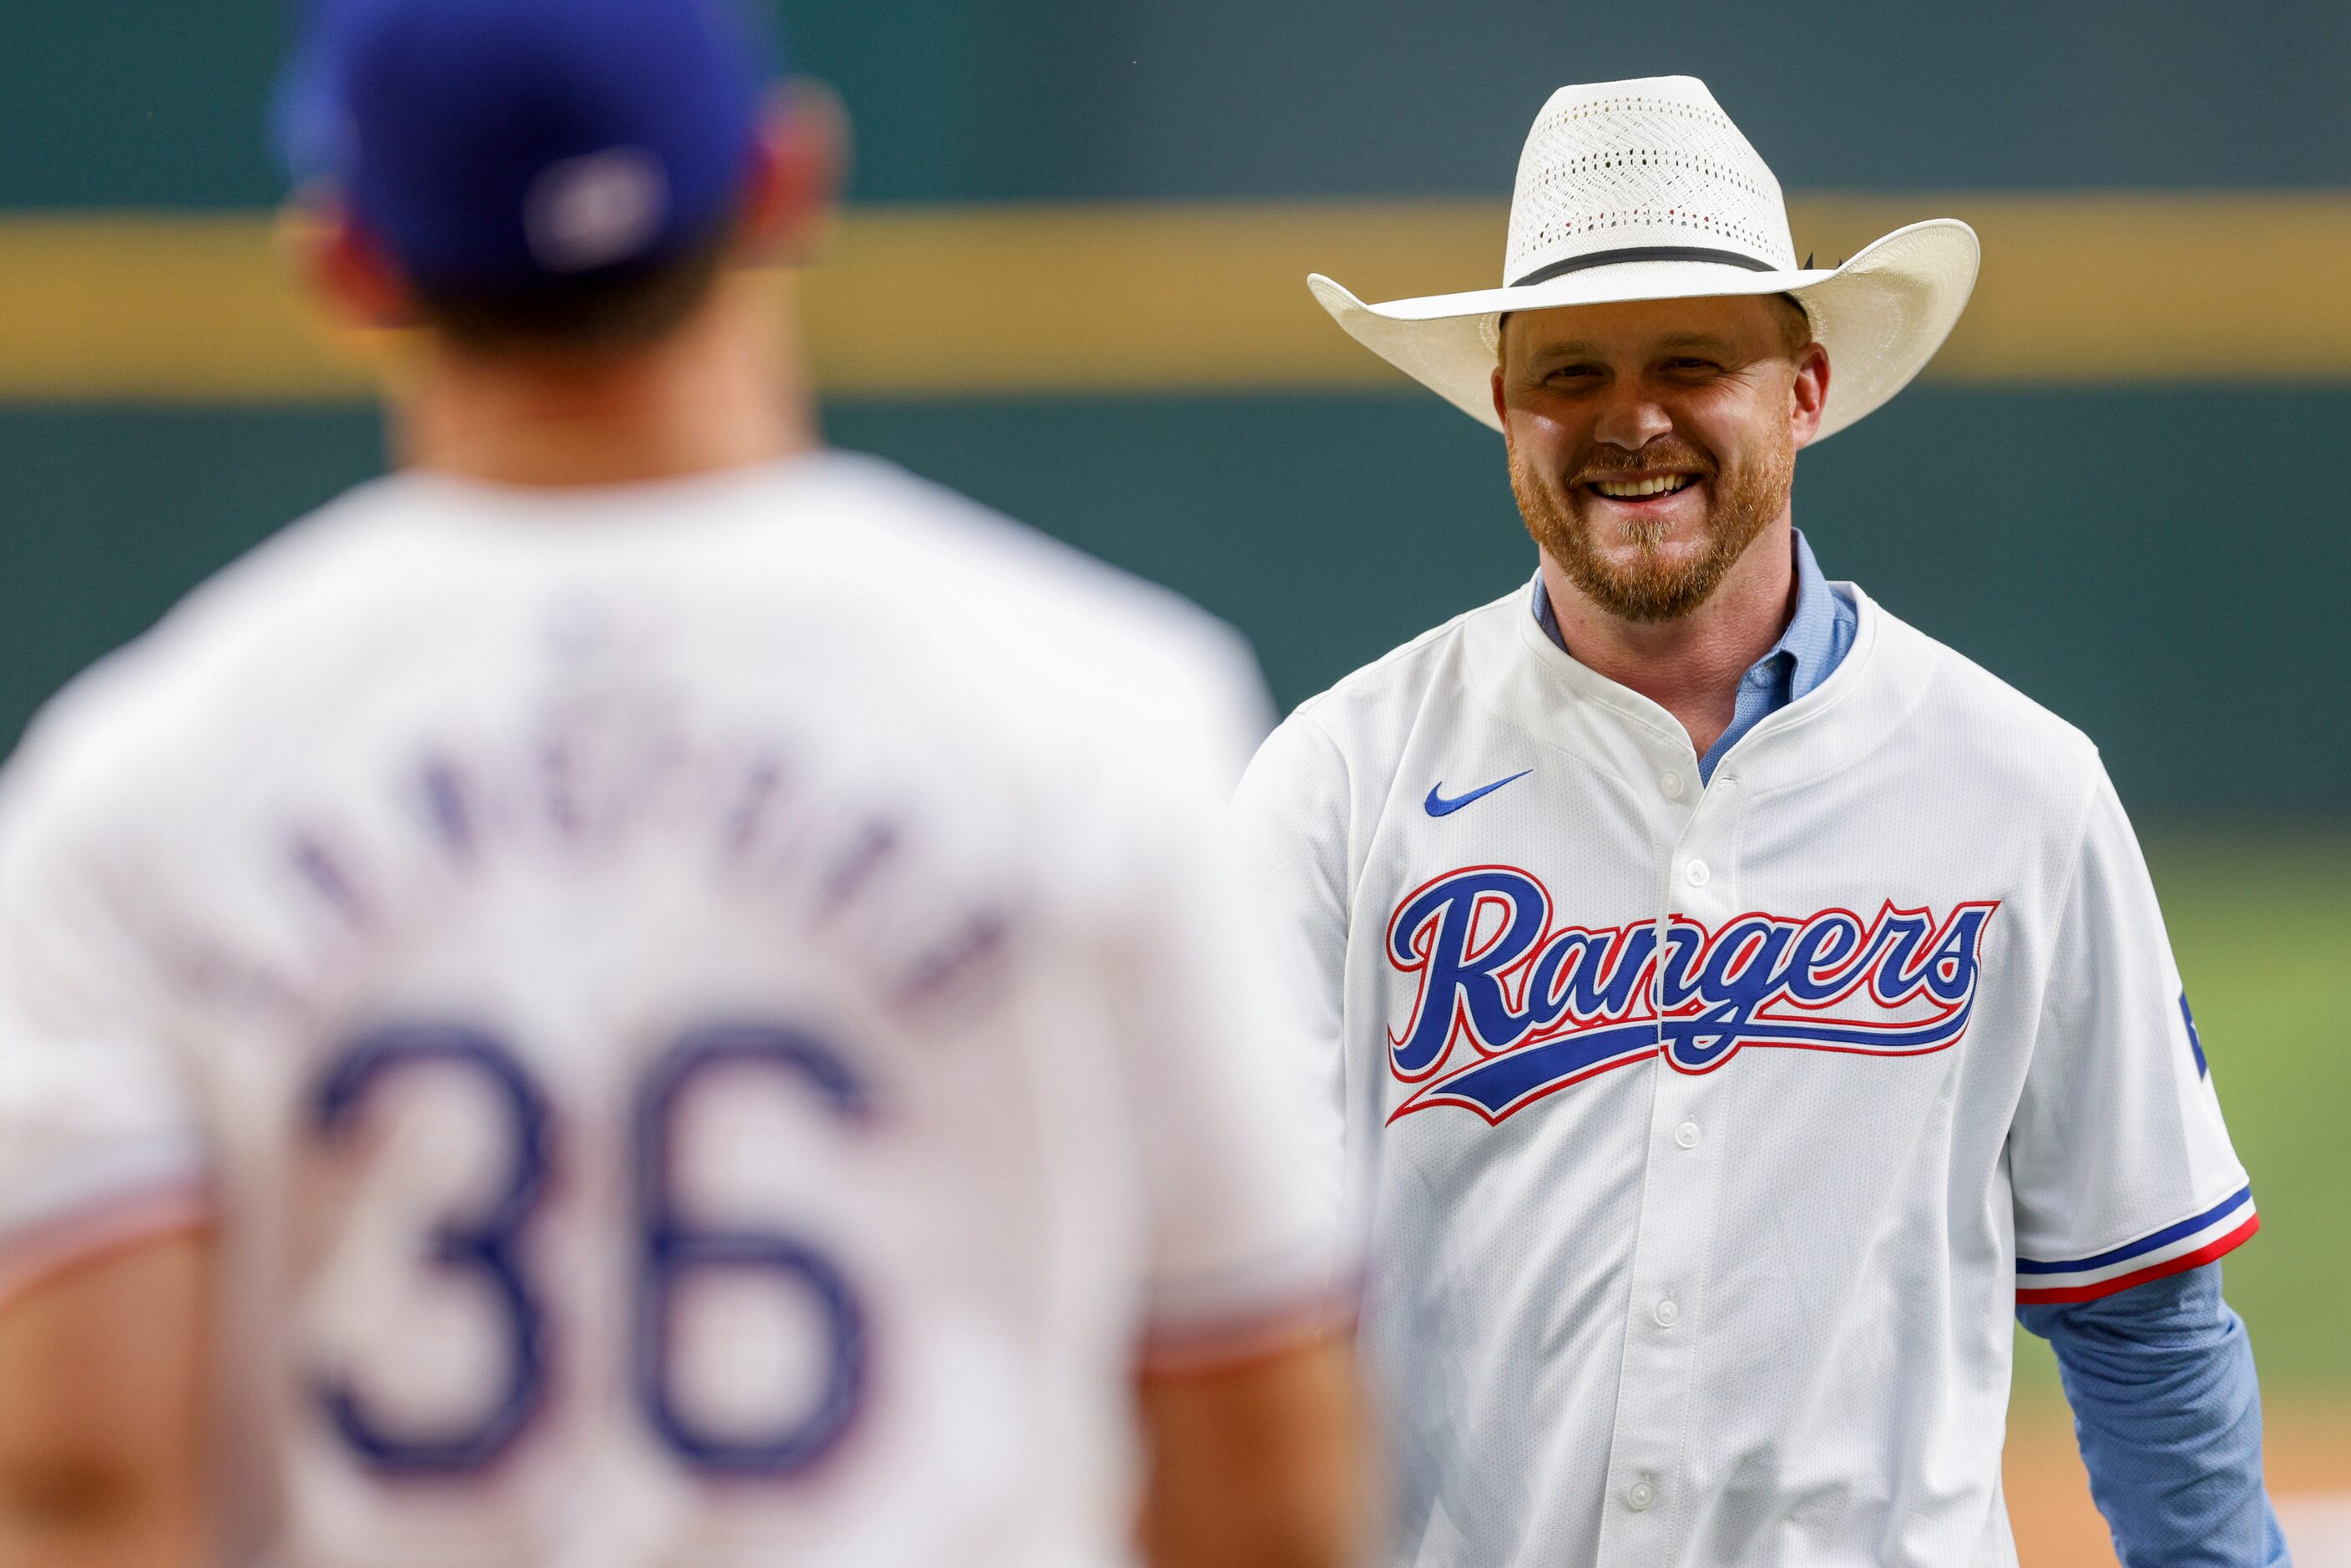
(1438, 806)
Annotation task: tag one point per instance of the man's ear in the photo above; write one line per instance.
(1809, 392)
(797, 173)
(1502, 345)
(349, 274)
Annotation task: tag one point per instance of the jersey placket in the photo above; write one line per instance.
(1664, 1308)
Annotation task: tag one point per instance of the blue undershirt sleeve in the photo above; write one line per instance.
(2169, 1415)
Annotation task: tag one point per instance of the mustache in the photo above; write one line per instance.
(1666, 452)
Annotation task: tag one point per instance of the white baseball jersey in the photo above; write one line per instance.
(710, 1017)
(1714, 1133)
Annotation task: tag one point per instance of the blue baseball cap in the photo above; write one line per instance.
(500, 144)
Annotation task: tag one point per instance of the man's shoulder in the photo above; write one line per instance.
(1376, 696)
(1038, 630)
(240, 616)
(894, 558)
(1350, 737)
(1971, 718)
(956, 557)
(132, 723)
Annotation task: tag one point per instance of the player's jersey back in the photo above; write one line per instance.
(706, 1016)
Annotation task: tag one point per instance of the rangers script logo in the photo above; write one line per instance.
(1509, 1009)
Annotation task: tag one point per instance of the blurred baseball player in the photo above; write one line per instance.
(1740, 1003)
(639, 993)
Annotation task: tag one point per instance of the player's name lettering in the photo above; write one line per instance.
(1537, 1009)
(367, 857)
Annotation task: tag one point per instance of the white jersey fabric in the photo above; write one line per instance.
(712, 1017)
(1712, 1133)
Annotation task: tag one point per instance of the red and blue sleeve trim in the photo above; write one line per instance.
(1262, 1331)
(38, 1253)
(2174, 1249)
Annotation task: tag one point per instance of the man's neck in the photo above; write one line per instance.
(1690, 667)
(719, 393)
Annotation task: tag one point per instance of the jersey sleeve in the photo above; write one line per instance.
(98, 1147)
(2121, 1165)
(1244, 1253)
(1289, 821)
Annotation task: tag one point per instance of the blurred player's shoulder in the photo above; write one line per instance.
(419, 580)
(101, 735)
(1968, 720)
(1111, 651)
(1364, 719)
(1406, 672)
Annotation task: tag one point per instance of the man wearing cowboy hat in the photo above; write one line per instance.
(1738, 1004)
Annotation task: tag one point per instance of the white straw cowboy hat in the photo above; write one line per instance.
(1645, 190)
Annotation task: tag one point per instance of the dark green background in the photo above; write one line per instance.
(2164, 566)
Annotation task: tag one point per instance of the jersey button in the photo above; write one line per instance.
(1639, 1496)
(1671, 783)
(1687, 1135)
(1668, 1313)
(1696, 873)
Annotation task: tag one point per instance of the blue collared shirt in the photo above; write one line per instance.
(2161, 1376)
(1819, 635)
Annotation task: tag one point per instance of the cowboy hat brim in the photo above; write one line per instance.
(1881, 315)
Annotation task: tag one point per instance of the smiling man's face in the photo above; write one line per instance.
(1652, 442)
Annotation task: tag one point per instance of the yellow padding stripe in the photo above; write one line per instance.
(1006, 300)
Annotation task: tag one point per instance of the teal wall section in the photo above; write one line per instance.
(2115, 554)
